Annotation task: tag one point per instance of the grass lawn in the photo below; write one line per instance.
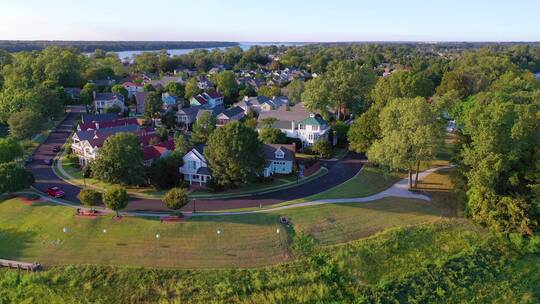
(450, 261)
(34, 233)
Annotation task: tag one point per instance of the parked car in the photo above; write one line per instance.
(48, 162)
(56, 149)
(55, 192)
(29, 160)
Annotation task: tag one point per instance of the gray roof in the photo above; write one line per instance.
(86, 135)
(296, 113)
(200, 148)
(109, 96)
(204, 171)
(233, 111)
(269, 152)
(86, 118)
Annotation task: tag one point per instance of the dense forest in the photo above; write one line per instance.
(113, 46)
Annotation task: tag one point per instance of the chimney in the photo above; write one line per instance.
(95, 134)
(97, 125)
(94, 94)
(292, 125)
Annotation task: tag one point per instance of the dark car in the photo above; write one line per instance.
(48, 162)
(56, 149)
(29, 160)
(55, 192)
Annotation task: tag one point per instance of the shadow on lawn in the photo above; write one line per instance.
(13, 242)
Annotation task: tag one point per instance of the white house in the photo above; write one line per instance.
(104, 101)
(296, 122)
(279, 159)
(195, 167)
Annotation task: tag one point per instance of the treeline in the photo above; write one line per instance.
(494, 98)
(113, 46)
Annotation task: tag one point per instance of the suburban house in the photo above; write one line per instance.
(279, 159)
(132, 88)
(85, 144)
(204, 84)
(117, 122)
(104, 101)
(296, 122)
(140, 100)
(262, 103)
(151, 153)
(168, 100)
(187, 116)
(195, 167)
(163, 82)
(229, 115)
(208, 100)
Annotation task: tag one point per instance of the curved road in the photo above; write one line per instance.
(338, 172)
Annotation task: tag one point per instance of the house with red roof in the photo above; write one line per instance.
(208, 100)
(96, 125)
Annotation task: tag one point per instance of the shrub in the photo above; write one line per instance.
(89, 197)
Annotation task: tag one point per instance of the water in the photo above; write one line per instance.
(537, 75)
(243, 45)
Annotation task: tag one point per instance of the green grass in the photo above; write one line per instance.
(450, 261)
(248, 240)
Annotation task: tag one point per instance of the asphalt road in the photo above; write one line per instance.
(338, 172)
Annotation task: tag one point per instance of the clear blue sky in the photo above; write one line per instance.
(276, 20)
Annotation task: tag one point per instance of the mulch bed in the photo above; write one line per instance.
(173, 219)
(30, 202)
(88, 214)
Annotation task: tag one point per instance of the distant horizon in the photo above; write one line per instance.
(276, 21)
(286, 41)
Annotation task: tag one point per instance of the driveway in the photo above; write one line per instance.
(338, 172)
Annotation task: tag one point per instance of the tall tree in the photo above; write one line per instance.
(13, 177)
(9, 150)
(295, 90)
(234, 154)
(24, 124)
(120, 160)
(227, 86)
(203, 128)
(192, 88)
(115, 198)
(411, 133)
(152, 106)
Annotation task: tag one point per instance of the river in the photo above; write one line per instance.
(243, 45)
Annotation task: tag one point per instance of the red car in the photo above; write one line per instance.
(55, 192)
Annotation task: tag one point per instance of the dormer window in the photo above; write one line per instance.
(279, 154)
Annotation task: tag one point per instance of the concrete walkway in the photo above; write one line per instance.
(399, 189)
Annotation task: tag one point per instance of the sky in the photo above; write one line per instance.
(276, 20)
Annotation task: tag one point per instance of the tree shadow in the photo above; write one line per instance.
(14, 242)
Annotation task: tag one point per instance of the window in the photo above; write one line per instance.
(301, 127)
(192, 165)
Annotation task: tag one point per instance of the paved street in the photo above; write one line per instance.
(338, 172)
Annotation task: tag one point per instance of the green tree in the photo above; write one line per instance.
(148, 88)
(89, 197)
(364, 130)
(411, 133)
(203, 128)
(24, 124)
(181, 143)
(13, 177)
(176, 198)
(192, 88)
(295, 90)
(115, 198)
(269, 91)
(341, 129)
(120, 160)
(87, 93)
(118, 88)
(152, 106)
(9, 150)
(272, 136)
(176, 89)
(323, 148)
(226, 85)
(234, 154)
(164, 173)
(316, 95)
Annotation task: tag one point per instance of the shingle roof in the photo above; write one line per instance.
(87, 135)
(109, 96)
(86, 118)
(108, 124)
(269, 152)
